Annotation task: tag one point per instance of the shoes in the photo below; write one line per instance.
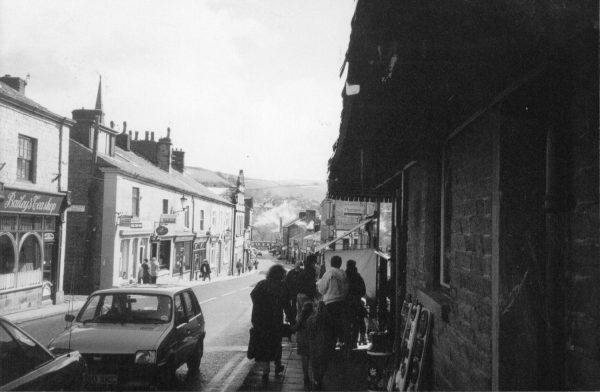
(279, 369)
(265, 377)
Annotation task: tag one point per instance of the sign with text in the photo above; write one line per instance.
(125, 220)
(31, 203)
(76, 208)
(135, 223)
(168, 218)
(353, 210)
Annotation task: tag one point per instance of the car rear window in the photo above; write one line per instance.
(127, 308)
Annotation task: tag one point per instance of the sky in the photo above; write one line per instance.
(249, 85)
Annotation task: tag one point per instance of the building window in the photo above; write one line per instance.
(201, 220)
(165, 206)
(213, 220)
(135, 201)
(220, 221)
(104, 143)
(26, 160)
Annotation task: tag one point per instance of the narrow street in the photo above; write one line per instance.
(227, 308)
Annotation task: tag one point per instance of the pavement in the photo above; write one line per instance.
(345, 373)
(73, 303)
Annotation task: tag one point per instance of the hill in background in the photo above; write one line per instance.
(274, 201)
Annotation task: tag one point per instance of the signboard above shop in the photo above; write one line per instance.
(162, 230)
(168, 218)
(31, 203)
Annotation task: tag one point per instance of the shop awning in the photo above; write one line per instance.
(325, 245)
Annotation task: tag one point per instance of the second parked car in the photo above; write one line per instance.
(136, 337)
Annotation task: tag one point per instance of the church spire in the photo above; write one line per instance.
(99, 101)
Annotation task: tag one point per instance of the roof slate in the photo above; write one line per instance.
(137, 166)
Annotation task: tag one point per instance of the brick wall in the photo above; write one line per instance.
(461, 344)
(582, 270)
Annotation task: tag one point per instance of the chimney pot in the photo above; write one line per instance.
(168, 133)
(147, 133)
(124, 126)
(152, 135)
(130, 134)
(136, 135)
(112, 125)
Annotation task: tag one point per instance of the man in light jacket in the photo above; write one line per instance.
(333, 286)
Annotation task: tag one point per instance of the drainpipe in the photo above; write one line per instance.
(233, 235)
(556, 206)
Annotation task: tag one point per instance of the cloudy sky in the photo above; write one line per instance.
(243, 84)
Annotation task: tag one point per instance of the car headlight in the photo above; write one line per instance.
(145, 357)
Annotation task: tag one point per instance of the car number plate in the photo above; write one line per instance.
(108, 379)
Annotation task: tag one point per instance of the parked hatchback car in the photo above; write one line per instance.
(26, 365)
(137, 336)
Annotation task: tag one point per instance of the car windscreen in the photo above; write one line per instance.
(123, 308)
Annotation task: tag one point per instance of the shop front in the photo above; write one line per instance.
(199, 255)
(183, 255)
(30, 249)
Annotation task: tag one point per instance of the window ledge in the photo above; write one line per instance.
(436, 301)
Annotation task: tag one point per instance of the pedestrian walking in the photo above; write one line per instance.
(307, 294)
(249, 265)
(334, 288)
(255, 264)
(238, 265)
(291, 279)
(319, 354)
(196, 267)
(205, 270)
(356, 309)
(154, 267)
(144, 276)
(270, 302)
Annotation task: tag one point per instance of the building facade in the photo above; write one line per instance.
(493, 171)
(132, 202)
(33, 198)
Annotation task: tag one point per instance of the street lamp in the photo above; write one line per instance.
(183, 204)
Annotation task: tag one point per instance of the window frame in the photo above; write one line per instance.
(201, 220)
(135, 201)
(31, 175)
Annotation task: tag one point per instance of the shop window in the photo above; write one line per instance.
(201, 220)
(165, 206)
(30, 255)
(7, 255)
(26, 159)
(49, 223)
(8, 222)
(135, 201)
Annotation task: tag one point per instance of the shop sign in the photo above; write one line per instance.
(214, 238)
(227, 236)
(125, 220)
(330, 222)
(168, 218)
(162, 230)
(49, 237)
(184, 238)
(352, 210)
(135, 223)
(76, 208)
(31, 203)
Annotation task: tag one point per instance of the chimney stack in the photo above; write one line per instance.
(163, 152)
(178, 160)
(152, 136)
(15, 82)
(124, 126)
(136, 135)
(123, 140)
(147, 134)
(112, 125)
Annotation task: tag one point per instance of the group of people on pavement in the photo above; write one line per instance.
(148, 271)
(322, 312)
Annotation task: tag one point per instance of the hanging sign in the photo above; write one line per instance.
(125, 220)
(162, 230)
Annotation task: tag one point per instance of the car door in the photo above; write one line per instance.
(181, 330)
(194, 327)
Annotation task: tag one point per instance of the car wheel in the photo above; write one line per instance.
(168, 374)
(193, 362)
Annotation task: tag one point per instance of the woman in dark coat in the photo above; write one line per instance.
(356, 310)
(145, 272)
(270, 299)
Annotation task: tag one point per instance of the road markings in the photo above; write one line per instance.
(216, 380)
(210, 299)
(238, 370)
(246, 288)
(227, 294)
